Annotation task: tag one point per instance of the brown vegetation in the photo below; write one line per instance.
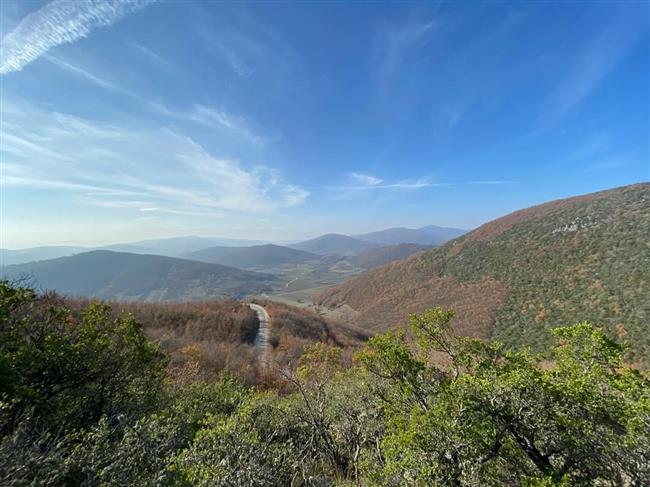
(517, 277)
(218, 335)
(293, 329)
(383, 298)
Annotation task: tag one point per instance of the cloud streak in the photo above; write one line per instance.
(368, 182)
(112, 164)
(59, 22)
(216, 119)
(597, 58)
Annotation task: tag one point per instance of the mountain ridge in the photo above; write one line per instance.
(428, 235)
(334, 243)
(119, 275)
(515, 278)
(255, 255)
(384, 255)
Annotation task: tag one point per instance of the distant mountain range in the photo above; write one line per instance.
(335, 243)
(177, 246)
(191, 246)
(170, 247)
(349, 245)
(383, 255)
(430, 235)
(581, 258)
(257, 255)
(19, 256)
(130, 277)
(179, 268)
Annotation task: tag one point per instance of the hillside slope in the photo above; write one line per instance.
(130, 277)
(257, 255)
(581, 258)
(334, 243)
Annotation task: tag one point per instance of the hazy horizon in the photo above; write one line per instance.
(253, 241)
(125, 121)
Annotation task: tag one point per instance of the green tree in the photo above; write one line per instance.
(70, 371)
(464, 412)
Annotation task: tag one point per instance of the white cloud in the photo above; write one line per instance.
(154, 57)
(589, 65)
(213, 118)
(365, 179)
(368, 182)
(59, 22)
(163, 168)
(88, 76)
(221, 120)
(395, 41)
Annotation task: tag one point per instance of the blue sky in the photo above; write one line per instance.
(280, 120)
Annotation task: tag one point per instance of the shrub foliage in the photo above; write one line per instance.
(85, 400)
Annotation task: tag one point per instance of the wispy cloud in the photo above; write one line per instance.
(247, 47)
(600, 54)
(87, 75)
(162, 168)
(367, 182)
(366, 179)
(154, 57)
(417, 184)
(213, 118)
(395, 41)
(59, 22)
(220, 119)
(239, 66)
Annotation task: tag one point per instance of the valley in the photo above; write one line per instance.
(513, 279)
(324, 244)
(192, 268)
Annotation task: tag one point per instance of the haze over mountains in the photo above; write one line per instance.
(334, 243)
(581, 258)
(383, 255)
(184, 246)
(132, 277)
(429, 235)
(256, 255)
(513, 279)
(336, 258)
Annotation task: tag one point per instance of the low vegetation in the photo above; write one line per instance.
(86, 399)
(295, 329)
(218, 335)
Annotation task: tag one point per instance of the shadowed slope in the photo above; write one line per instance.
(123, 276)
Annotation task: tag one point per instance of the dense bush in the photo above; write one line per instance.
(60, 370)
(428, 408)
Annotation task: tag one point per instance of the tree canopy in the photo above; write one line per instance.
(86, 399)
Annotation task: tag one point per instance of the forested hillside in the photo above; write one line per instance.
(131, 277)
(88, 400)
(519, 276)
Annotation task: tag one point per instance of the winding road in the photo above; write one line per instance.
(262, 337)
